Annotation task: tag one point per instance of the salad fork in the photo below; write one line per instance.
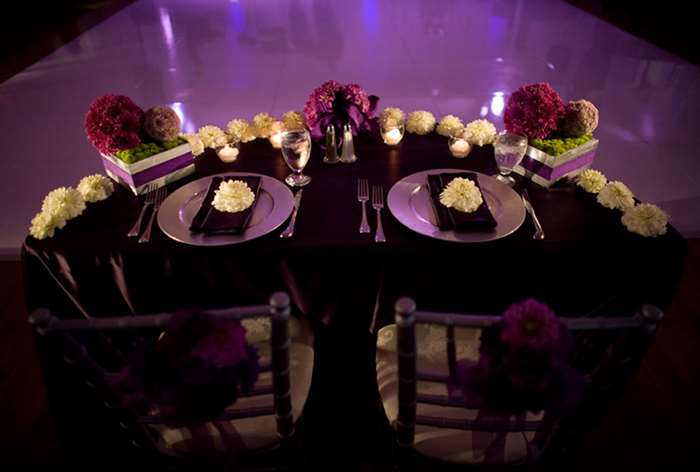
(378, 204)
(363, 198)
(150, 199)
(161, 193)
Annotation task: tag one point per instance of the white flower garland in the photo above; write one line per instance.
(262, 123)
(212, 136)
(592, 181)
(616, 195)
(420, 122)
(461, 194)
(293, 120)
(196, 144)
(480, 132)
(391, 117)
(95, 188)
(449, 125)
(233, 196)
(645, 220)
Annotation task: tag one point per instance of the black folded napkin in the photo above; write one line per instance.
(449, 218)
(209, 220)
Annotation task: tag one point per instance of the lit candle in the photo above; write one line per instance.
(460, 148)
(276, 140)
(393, 136)
(228, 153)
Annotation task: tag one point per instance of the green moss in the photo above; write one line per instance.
(144, 150)
(556, 146)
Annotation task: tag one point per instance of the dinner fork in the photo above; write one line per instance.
(150, 199)
(161, 193)
(363, 197)
(378, 204)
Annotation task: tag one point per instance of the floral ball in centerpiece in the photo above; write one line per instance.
(580, 118)
(534, 111)
(161, 123)
(113, 123)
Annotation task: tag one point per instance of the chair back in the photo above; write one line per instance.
(606, 351)
(99, 348)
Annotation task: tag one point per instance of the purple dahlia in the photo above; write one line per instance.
(533, 110)
(113, 123)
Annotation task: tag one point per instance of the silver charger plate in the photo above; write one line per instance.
(274, 205)
(409, 201)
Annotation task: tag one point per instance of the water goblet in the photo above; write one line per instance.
(509, 150)
(296, 151)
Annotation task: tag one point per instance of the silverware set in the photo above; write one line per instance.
(289, 231)
(377, 204)
(154, 198)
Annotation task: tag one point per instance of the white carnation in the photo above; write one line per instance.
(449, 125)
(233, 196)
(262, 123)
(461, 194)
(95, 188)
(391, 117)
(63, 203)
(43, 225)
(592, 181)
(646, 220)
(480, 132)
(196, 144)
(616, 195)
(293, 120)
(420, 122)
(212, 136)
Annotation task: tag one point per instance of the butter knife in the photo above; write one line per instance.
(289, 231)
(539, 232)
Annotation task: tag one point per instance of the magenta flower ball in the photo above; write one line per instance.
(113, 123)
(161, 123)
(530, 324)
(534, 111)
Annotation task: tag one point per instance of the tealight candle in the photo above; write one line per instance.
(393, 135)
(228, 153)
(276, 136)
(459, 147)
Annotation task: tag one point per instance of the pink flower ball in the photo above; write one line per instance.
(534, 111)
(113, 123)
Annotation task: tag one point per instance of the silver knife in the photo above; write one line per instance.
(289, 231)
(539, 232)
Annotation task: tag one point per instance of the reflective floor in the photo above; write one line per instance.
(213, 60)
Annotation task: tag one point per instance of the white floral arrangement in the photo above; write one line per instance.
(233, 196)
(391, 117)
(239, 130)
(480, 132)
(212, 136)
(462, 195)
(420, 122)
(449, 125)
(592, 181)
(262, 123)
(616, 196)
(196, 144)
(293, 120)
(646, 220)
(95, 188)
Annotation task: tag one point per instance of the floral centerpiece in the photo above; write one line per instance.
(560, 135)
(338, 105)
(138, 148)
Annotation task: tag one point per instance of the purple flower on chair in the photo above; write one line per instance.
(530, 324)
(338, 105)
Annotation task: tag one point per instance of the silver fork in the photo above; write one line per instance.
(363, 197)
(150, 199)
(378, 204)
(160, 196)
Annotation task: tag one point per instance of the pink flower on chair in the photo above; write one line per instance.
(530, 324)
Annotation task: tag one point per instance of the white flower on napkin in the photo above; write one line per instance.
(592, 181)
(480, 132)
(646, 220)
(462, 195)
(449, 125)
(616, 195)
(420, 122)
(95, 188)
(233, 196)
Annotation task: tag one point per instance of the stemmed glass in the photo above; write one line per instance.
(296, 150)
(509, 150)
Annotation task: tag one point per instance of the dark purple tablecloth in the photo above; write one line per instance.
(587, 261)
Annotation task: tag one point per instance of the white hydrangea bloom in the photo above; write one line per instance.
(420, 122)
(391, 117)
(480, 132)
(196, 144)
(63, 203)
(449, 125)
(646, 220)
(592, 181)
(233, 196)
(236, 129)
(262, 123)
(616, 195)
(44, 225)
(212, 136)
(461, 194)
(293, 120)
(95, 188)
